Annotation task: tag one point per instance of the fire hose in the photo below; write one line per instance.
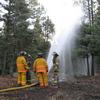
(18, 88)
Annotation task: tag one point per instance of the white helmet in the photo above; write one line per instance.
(23, 53)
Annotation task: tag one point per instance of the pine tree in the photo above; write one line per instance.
(88, 40)
(15, 31)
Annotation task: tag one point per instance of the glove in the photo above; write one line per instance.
(27, 68)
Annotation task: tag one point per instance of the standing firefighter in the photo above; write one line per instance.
(28, 73)
(40, 67)
(56, 63)
(22, 68)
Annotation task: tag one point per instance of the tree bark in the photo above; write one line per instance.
(92, 65)
(89, 13)
(92, 14)
(88, 69)
(4, 63)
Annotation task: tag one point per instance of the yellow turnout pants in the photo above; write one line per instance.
(22, 78)
(43, 79)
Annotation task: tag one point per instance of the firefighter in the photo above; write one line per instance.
(56, 64)
(22, 68)
(40, 67)
(28, 73)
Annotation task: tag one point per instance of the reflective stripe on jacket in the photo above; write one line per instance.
(40, 69)
(40, 65)
(21, 64)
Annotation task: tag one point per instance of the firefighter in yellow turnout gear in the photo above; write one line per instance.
(40, 67)
(22, 68)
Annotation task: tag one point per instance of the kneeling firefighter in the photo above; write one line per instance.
(40, 67)
(22, 68)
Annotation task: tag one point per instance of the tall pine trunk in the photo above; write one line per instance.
(4, 63)
(88, 69)
(92, 65)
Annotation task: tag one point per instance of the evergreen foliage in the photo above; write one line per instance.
(15, 35)
(89, 38)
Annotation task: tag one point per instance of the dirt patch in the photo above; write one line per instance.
(84, 88)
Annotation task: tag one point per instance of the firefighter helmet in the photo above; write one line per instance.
(40, 54)
(22, 53)
(54, 53)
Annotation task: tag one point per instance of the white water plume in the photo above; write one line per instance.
(67, 19)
